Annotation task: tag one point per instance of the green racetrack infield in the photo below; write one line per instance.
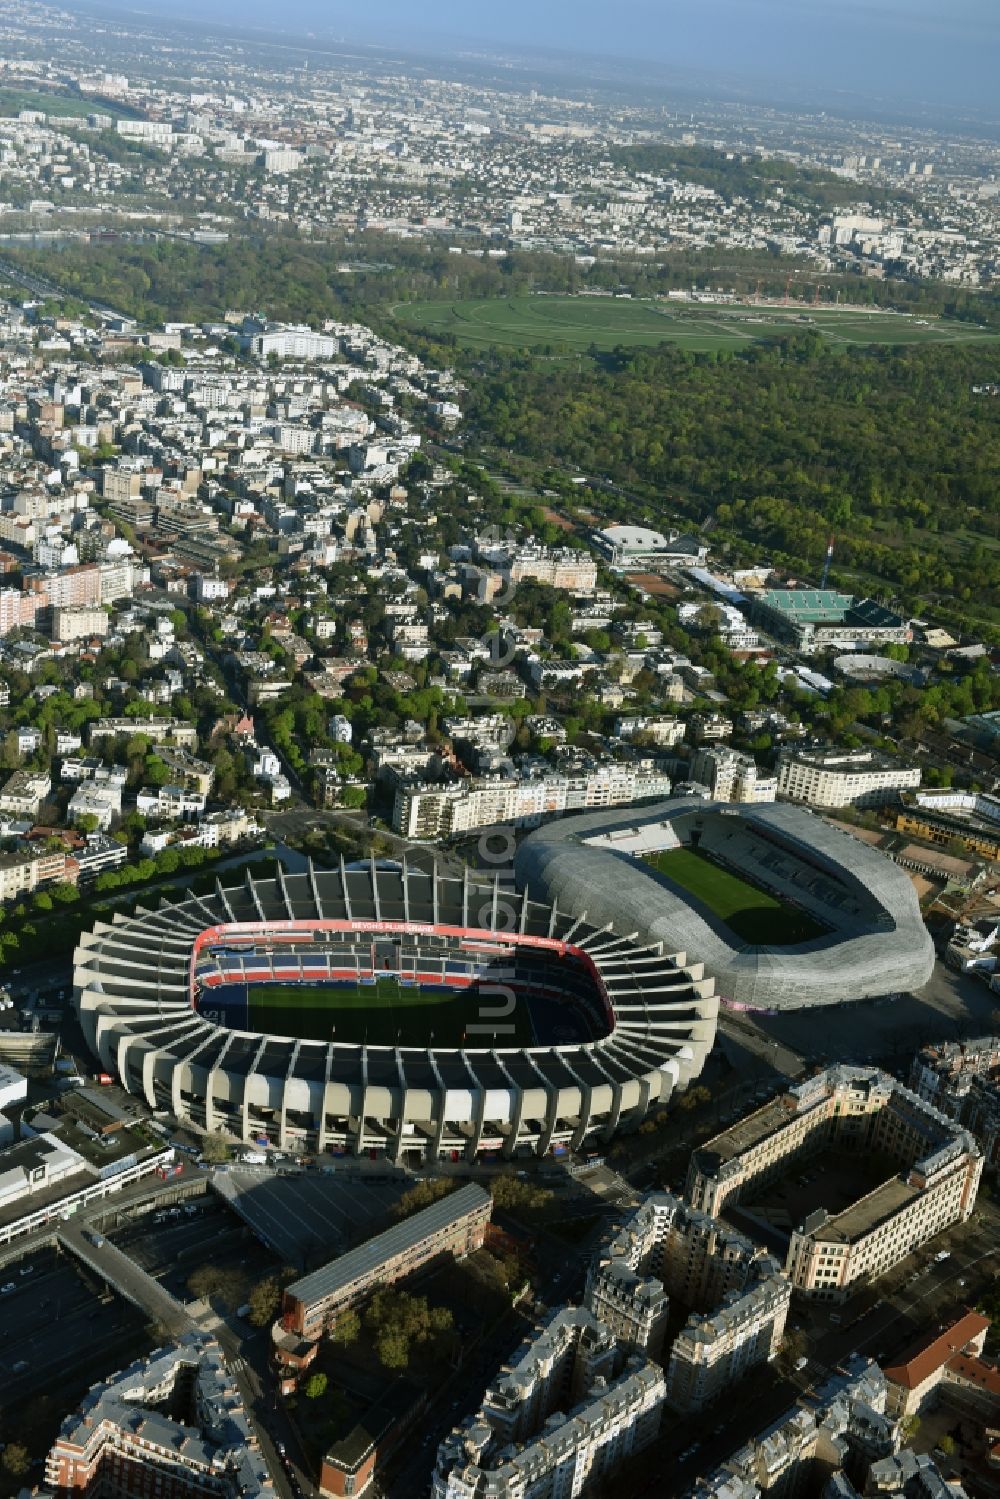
(575, 324)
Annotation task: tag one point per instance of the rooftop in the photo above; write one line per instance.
(862, 1216)
(746, 1133)
(353, 1266)
(929, 1355)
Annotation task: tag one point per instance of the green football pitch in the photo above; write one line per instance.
(387, 1013)
(576, 324)
(751, 913)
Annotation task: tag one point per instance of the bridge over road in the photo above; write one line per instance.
(128, 1279)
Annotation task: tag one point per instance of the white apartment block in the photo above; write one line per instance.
(842, 778)
(732, 777)
(173, 803)
(293, 342)
(423, 810)
(24, 792)
(660, 731)
(100, 798)
(78, 624)
(174, 731)
(24, 872)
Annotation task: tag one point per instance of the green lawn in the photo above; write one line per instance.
(385, 1013)
(751, 913)
(64, 106)
(577, 323)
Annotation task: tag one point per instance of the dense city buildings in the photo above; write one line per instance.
(173, 1424)
(667, 1253)
(566, 1411)
(962, 1079)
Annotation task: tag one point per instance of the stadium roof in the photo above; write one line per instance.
(810, 604)
(875, 944)
(361, 1262)
(828, 606)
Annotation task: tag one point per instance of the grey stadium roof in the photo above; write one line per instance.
(877, 943)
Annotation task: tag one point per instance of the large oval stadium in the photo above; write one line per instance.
(391, 1010)
(784, 910)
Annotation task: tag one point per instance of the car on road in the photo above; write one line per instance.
(6, 1290)
(26, 1270)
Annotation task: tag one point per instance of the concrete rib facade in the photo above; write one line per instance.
(133, 987)
(876, 942)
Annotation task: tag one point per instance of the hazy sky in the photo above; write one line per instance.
(944, 51)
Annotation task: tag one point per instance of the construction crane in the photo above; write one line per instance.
(826, 564)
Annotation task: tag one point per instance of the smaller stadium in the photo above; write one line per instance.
(783, 910)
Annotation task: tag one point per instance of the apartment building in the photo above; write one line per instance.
(829, 778)
(172, 731)
(738, 1296)
(186, 769)
(454, 1226)
(170, 1426)
(962, 1079)
(714, 1350)
(665, 732)
(730, 776)
(18, 610)
(173, 803)
(24, 792)
(290, 342)
(69, 624)
(21, 872)
(566, 1411)
(77, 587)
(561, 567)
(830, 1445)
(425, 810)
(99, 797)
(854, 1109)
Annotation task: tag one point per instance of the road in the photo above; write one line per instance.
(60, 1323)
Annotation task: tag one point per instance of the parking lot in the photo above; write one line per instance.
(309, 1218)
(172, 1243)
